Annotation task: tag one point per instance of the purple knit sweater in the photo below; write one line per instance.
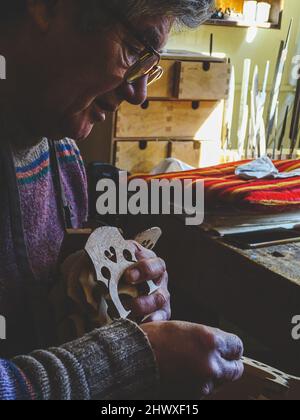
(112, 362)
(43, 229)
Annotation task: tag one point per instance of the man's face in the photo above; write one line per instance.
(73, 79)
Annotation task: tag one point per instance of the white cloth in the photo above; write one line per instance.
(263, 168)
(171, 165)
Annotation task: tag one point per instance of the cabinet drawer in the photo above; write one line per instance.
(167, 119)
(186, 151)
(203, 81)
(144, 156)
(140, 156)
(198, 154)
(166, 86)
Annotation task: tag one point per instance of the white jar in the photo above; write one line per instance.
(263, 12)
(250, 9)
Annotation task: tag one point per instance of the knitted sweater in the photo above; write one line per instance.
(114, 362)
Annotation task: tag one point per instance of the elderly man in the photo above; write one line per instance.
(69, 62)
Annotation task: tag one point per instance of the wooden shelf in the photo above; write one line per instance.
(242, 24)
(277, 7)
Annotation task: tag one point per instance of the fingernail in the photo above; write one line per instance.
(134, 275)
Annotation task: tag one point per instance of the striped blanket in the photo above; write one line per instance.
(224, 188)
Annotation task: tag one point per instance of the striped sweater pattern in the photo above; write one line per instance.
(44, 233)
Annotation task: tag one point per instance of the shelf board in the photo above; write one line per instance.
(242, 24)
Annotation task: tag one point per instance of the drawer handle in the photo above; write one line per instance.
(143, 145)
(206, 66)
(195, 105)
(146, 104)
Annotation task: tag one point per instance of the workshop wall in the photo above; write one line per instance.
(259, 45)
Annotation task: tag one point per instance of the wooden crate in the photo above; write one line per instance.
(203, 81)
(140, 156)
(171, 119)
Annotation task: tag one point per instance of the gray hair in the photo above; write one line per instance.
(187, 13)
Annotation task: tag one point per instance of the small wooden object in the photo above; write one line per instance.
(111, 256)
(260, 383)
(88, 295)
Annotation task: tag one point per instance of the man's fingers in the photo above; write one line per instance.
(141, 252)
(159, 316)
(147, 305)
(207, 389)
(146, 270)
(231, 347)
(231, 370)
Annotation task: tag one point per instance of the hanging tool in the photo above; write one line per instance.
(275, 130)
(260, 113)
(211, 45)
(244, 108)
(283, 132)
(295, 120)
(229, 110)
(253, 115)
(280, 66)
(257, 138)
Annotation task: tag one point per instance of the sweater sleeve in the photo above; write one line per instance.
(114, 362)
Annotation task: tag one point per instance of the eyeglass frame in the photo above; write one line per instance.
(148, 48)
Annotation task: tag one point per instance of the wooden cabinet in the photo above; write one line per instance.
(142, 156)
(176, 119)
(182, 118)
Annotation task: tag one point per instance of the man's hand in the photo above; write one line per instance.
(155, 307)
(193, 357)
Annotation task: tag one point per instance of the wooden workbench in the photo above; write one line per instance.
(256, 290)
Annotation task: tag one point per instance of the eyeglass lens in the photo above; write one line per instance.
(142, 68)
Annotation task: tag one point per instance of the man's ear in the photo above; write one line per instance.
(41, 12)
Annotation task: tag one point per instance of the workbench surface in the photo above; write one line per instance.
(281, 259)
(256, 290)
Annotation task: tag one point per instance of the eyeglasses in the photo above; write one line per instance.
(148, 63)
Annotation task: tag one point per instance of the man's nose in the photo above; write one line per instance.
(135, 93)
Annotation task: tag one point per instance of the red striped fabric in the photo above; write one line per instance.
(223, 187)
